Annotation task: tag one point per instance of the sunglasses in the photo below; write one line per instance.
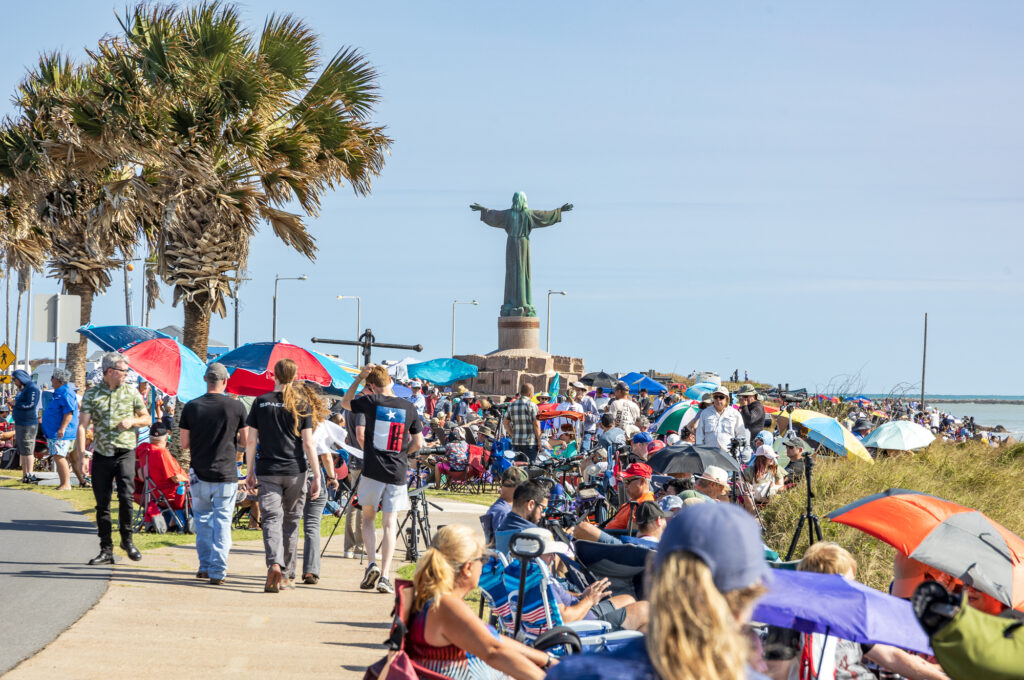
(718, 397)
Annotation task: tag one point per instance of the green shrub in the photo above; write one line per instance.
(972, 474)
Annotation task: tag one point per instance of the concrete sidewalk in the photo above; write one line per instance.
(157, 620)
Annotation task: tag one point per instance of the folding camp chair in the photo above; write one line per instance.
(622, 564)
(494, 593)
(535, 607)
(472, 478)
(162, 495)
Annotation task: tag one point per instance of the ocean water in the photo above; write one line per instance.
(1010, 416)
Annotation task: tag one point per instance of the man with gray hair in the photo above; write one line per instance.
(116, 410)
(212, 428)
(60, 426)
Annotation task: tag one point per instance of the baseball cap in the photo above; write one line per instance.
(796, 442)
(642, 438)
(636, 470)
(513, 476)
(766, 452)
(721, 389)
(158, 430)
(216, 371)
(648, 511)
(670, 503)
(655, 446)
(724, 537)
(713, 473)
(622, 386)
(551, 546)
(416, 385)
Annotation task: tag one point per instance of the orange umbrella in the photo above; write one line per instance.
(961, 542)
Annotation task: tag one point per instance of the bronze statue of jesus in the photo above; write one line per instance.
(518, 222)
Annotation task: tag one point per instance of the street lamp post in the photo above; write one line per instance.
(457, 302)
(550, 293)
(276, 280)
(359, 316)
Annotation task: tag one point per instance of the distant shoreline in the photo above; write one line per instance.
(1013, 402)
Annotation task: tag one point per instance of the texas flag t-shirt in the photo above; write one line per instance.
(390, 424)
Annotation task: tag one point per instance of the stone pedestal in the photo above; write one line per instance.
(519, 359)
(518, 332)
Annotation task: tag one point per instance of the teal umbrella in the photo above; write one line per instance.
(901, 435)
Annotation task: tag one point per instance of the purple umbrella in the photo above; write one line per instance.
(828, 603)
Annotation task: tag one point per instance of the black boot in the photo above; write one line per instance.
(106, 556)
(133, 553)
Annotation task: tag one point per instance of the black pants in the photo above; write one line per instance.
(106, 470)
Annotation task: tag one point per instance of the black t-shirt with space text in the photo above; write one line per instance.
(390, 422)
(213, 422)
(280, 449)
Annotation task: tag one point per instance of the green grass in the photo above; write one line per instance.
(406, 571)
(83, 501)
(972, 474)
(475, 498)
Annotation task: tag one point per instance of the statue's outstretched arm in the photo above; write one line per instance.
(566, 207)
(476, 207)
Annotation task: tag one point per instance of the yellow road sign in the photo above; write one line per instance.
(6, 357)
(5, 379)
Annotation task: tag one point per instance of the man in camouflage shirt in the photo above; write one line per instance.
(115, 410)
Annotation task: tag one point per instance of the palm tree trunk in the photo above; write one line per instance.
(77, 352)
(7, 309)
(197, 328)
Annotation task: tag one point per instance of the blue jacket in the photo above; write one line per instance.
(63, 402)
(26, 404)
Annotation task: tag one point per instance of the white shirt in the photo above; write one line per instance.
(626, 412)
(591, 415)
(717, 429)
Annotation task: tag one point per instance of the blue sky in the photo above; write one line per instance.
(782, 188)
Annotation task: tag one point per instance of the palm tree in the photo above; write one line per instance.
(87, 214)
(230, 127)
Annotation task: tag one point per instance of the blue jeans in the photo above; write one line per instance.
(213, 504)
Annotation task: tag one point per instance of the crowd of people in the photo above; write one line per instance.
(291, 449)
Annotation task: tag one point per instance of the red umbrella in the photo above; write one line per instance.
(954, 539)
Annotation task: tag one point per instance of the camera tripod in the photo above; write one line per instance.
(416, 524)
(814, 526)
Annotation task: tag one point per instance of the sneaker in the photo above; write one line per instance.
(349, 555)
(310, 579)
(217, 581)
(370, 577)
(106, 556)
(384, 585)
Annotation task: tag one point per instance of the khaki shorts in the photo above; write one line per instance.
(390, 497)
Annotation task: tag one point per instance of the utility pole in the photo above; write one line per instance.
(924, 357)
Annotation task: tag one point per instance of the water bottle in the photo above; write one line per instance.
(181, 489)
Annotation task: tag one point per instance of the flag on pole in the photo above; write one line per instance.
(554, 389)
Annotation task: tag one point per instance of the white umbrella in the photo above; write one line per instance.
(900, 435)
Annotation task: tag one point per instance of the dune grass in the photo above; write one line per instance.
(971, 474)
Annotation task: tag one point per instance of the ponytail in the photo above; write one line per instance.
(694, 631)
(452, 546)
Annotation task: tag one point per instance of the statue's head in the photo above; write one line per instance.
(519, 201)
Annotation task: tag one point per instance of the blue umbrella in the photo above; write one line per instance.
(652, 386)
(828, 603)
(119, 338)
(698, 390)
(442, 371)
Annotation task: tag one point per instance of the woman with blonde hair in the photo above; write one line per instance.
(703, 581)
(444, 633)
(281, 423)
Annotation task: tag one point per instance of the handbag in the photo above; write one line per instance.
(396, 665)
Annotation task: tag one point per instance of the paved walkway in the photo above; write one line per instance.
(157, 620)
(44, 584)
